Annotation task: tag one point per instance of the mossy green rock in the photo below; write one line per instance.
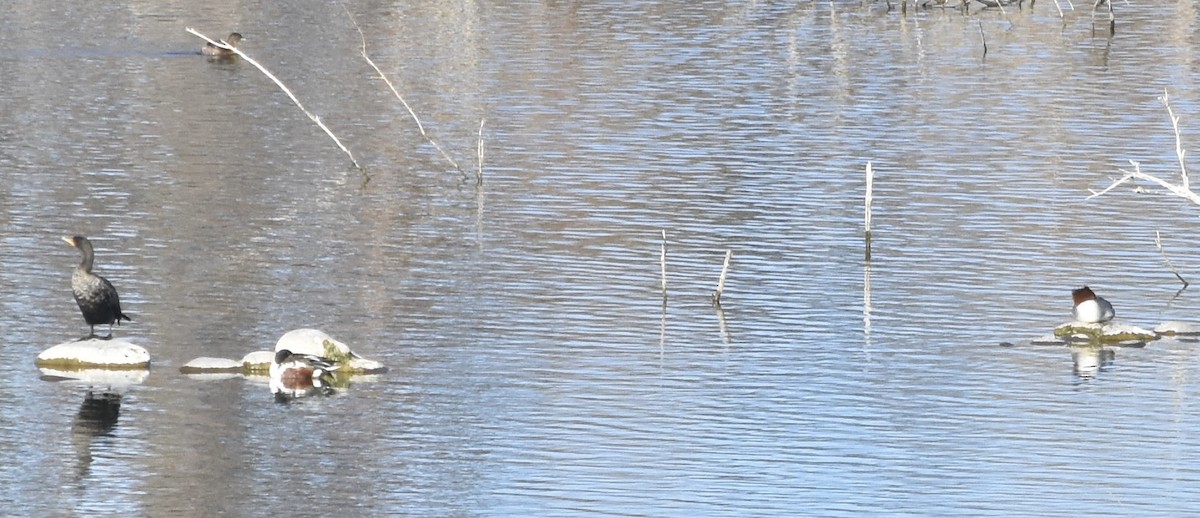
(1109, 333)
(258, 362)
(318, 343)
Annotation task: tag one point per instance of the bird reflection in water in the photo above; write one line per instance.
(97, 417)
(1088, 361)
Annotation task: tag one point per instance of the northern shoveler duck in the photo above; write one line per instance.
(295, 374)
(1091, 308)
(212, 50)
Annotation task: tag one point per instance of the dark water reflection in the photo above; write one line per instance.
(534, 369)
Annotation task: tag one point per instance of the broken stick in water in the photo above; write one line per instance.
(1171, 265)
(479, 157)
(867, 202)
(663, 260)
(716, 296)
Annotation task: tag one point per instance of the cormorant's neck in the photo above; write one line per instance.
(88, 257)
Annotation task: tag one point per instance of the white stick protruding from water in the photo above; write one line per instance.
(721, 280)
(1158, 244)
(479, 157)
(1183, 189)
(420, 127)
(868, 199)
(663, 260)
(285, 89)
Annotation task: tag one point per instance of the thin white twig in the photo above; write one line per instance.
(868, 199)
(420, 127)
(663, 261)
(285, 89)
(1179, 151)
(1171, 265)
(721, 281)
(479, 172)
(1183, 189)
(1137, 173)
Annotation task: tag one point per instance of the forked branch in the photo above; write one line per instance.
(1183, 189)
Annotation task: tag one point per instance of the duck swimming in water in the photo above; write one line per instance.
(212, 50)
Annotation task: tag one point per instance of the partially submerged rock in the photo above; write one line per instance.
(113, 378)
(316, 343)
(258, 362)
(209, 364)
(360, 365)
(1108, 333)
(1048, 340)
(303, 341)
(1176, 328)
(95, 353)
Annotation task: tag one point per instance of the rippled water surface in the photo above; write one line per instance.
(534, 367)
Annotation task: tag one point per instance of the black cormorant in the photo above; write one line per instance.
(97, 298)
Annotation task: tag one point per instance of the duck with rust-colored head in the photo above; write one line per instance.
(1091, 308)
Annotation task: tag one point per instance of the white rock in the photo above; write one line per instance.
(211, 375)
(258, 361)
(318, 343)
(366, 366)
(311, 341)
(94, 353)
(109, 377)
(210, 364)
(1048, 340)
(1177, 328)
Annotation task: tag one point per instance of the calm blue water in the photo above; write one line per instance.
(534, 367)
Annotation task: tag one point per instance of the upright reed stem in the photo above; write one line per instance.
(663, 261)
(867, 201)
(721, 281)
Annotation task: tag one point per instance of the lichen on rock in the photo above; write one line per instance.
(1108, 333)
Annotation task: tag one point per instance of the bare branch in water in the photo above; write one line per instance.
(479, 159)
(1183, 189)
(663, 262)
(420, 127)
(716, 296)
(289, 93)
(1171, 265)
